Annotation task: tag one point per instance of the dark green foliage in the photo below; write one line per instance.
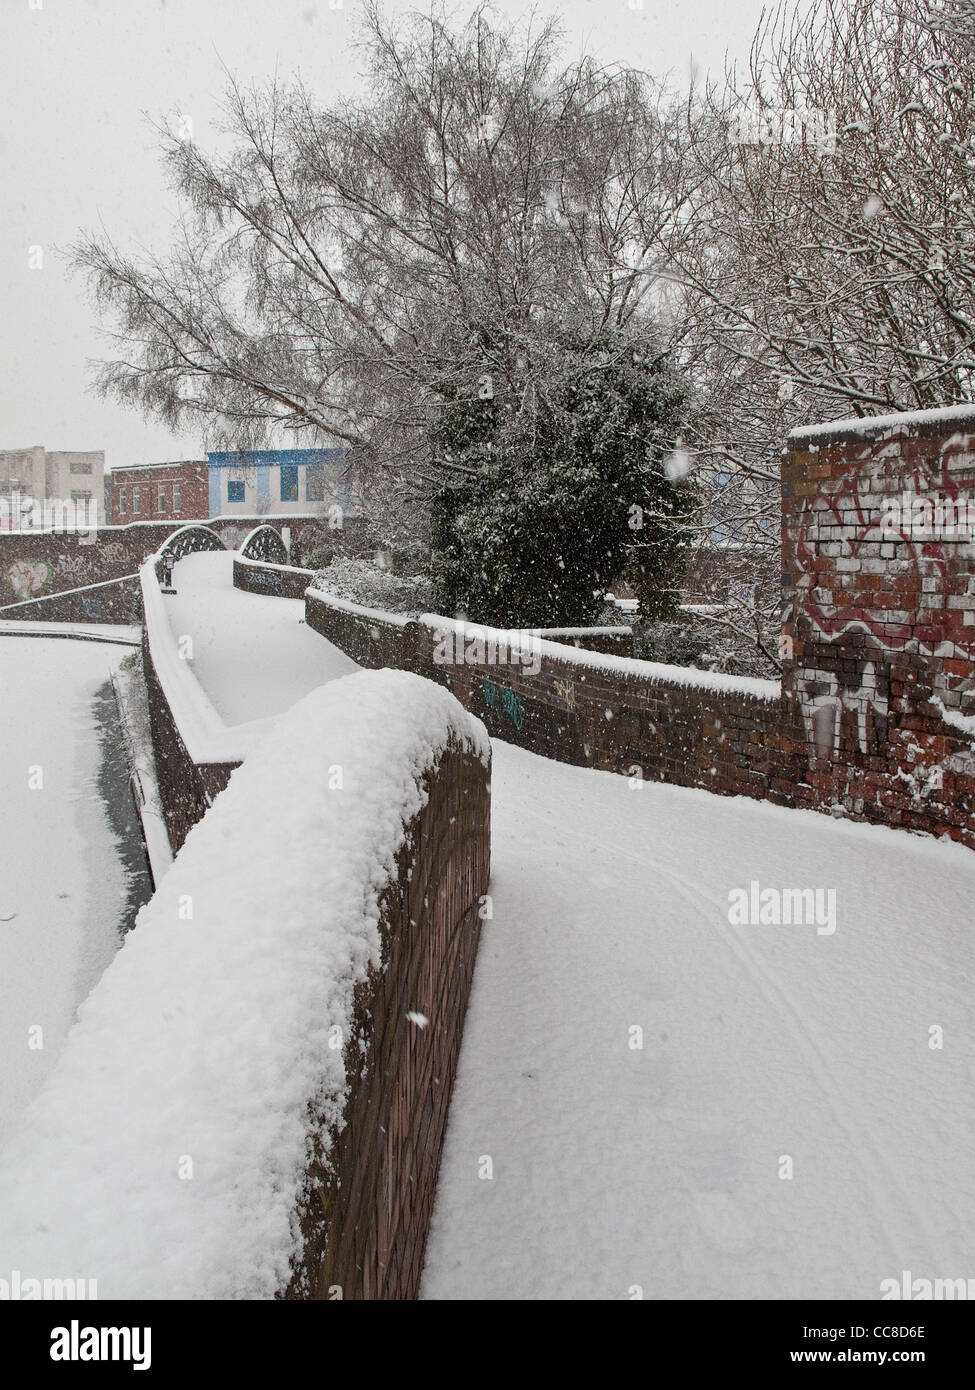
(567, 497)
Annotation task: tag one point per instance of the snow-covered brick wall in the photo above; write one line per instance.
(34, 564)
(206, 737)
(595, 709)
(878, 640)
(265, 577)
(319, 923)
(114, 601)
(371, 637)
(195, 750)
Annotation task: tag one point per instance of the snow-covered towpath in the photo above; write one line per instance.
(652, 1100)
(663, 1169)
(252, 654)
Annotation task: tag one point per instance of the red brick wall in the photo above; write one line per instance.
(365, 1211)
(116, 601)
(368, 1206)
(186, 788)
(280, 581)
(191, 476)
(879, 622)
(381, 639)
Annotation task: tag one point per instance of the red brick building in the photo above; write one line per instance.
(160, 492)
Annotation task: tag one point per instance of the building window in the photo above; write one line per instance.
(235, 491)
(160, 497)
(79, 466)
(121, 501)
(315, 482)
(289, 482)
(136, 501)
(177, 498)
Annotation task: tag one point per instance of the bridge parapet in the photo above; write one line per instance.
(264, 543)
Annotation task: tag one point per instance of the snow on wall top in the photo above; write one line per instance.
(653, 672)
(528, 642)
(555, 632)
(249, 561)
(206, 1039)
(205, 736)
(375, 615)
(930, 421)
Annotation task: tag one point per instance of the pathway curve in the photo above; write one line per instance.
(252, 653)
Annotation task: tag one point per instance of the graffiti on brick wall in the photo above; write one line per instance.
(74, 571)
(566, 691)
(499, 697)
(900, 591)
(28, 577)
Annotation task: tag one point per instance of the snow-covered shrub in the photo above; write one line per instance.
(317, 557)
(672, 643)
(362, 581)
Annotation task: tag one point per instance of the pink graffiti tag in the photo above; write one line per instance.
(28, 577)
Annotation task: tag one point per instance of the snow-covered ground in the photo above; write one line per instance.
(62, 882)
(252, 654)
(619, 1169)
(651, 1100)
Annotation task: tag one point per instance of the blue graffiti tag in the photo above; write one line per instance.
(510, 701)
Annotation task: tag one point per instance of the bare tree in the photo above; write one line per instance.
(345, 269)
(826, 254)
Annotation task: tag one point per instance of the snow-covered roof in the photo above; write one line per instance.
(139, 467)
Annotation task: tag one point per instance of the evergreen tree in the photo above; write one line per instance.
(568, 495)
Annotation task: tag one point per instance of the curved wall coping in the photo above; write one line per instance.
(358, 610)
(205, 736)
(652, 672)
(240, 559)
(528, 642)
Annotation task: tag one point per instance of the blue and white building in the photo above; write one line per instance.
(277, 482)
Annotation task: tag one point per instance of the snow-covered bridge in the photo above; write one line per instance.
(654, 1099)
(715, 1048)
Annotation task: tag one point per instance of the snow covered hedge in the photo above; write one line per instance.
(166, 1155)
(361, 582)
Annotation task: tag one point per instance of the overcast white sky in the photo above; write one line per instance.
(80, 80)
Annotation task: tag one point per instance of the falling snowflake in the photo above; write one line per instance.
(677, 464)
